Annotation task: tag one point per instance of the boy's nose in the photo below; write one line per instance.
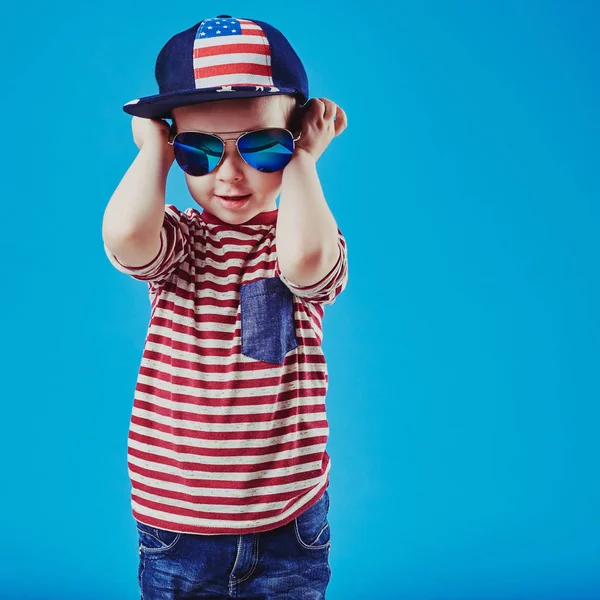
(232, 164)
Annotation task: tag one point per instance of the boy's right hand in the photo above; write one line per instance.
(152, 131)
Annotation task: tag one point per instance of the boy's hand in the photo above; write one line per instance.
(152, 131)
(319, 127)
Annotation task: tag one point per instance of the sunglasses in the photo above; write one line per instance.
(267, 150)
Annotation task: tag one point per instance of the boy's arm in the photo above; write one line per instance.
(306, 234)
(142, 236)
(134, 215)
(311, 250)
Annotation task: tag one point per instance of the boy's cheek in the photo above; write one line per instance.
(199, 191)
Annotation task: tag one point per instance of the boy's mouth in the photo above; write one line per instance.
(234, 201)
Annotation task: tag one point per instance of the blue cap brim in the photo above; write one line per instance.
(160, 105)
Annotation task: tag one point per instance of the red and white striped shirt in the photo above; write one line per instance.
(228, 428)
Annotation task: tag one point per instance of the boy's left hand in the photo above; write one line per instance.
(319, 126)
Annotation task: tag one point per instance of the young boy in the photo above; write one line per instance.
(226, 446)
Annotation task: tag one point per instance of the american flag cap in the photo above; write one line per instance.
(218, 58)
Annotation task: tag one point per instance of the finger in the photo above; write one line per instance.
(330, 108)
(317, 106)
(341, 120)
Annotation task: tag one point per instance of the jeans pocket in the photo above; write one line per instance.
(154, 540)
(312, 526)
(267, 320)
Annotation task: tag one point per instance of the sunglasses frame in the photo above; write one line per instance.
(172, 138)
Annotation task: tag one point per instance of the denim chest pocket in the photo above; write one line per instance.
(267, 315)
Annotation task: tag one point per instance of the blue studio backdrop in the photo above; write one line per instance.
(463, 355)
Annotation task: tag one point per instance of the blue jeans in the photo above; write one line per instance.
(290, 562)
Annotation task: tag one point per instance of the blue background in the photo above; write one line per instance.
(463, 355)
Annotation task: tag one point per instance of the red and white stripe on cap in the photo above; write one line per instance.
(231, 52)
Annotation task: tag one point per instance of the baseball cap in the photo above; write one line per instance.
(222, 58)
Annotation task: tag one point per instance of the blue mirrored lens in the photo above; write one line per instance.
(267, 150)
(197, 153)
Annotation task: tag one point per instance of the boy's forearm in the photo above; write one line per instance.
(137, 206)
(306, 232)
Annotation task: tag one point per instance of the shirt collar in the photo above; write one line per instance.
(264, 218)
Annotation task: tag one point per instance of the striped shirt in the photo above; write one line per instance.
(228, 428)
